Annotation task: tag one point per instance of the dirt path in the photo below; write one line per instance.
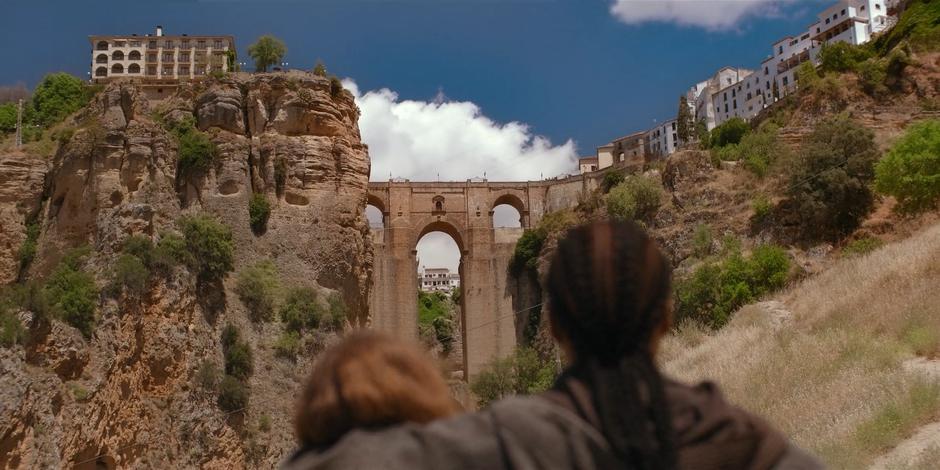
(909, 452)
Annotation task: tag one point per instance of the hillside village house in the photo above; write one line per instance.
(587, 164)
(438, 280)
(662, 140)
(160, 62)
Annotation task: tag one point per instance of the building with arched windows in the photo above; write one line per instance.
(158, 61)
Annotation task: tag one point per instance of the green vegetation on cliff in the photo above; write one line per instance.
(910, 171)
(524, 372)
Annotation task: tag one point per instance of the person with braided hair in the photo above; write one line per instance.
(609, 289)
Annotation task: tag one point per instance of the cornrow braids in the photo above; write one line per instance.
(608, 285)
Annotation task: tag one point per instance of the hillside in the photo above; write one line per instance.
(202, 218)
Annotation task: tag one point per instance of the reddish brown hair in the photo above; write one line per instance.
(370, 381)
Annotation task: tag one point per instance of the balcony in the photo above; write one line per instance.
(794, 61)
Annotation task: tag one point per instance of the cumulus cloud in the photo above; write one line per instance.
(452, 140)
(714, 15)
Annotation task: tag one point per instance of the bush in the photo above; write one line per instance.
(233, 394)
(435, 313)
(207, 376)
(336, 87)
(761, 207)
(337, 309)
(611, 179)
(842, 57)
(288, 345)
(526, 252)
(636, 198)
(756, 150)
(11, 329)
(196, 150)
(910, 171)
(524, 372)
(918, 25)
(319, 69)
(729, 132)
(27, 251)
(239, 360)
(169, 252)
(862, 246)
(302, 310)
(829, 189)
(72, 294)
(259, 210)
(140, 247)
(257, 288)
(7, 118)
(130, 274)
(716, 289)
(209, 246)
(230, 336)
(702, 241)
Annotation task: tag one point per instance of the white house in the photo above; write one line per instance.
(704, 93)
(438, 279)
(662, 140)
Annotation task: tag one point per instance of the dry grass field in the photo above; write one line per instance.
(823, 359)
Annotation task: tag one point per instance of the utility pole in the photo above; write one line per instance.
(19, 123)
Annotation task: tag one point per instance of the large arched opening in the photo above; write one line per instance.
(438, 257)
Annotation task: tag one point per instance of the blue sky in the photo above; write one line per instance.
(569, 69)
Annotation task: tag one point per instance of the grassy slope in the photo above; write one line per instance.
(830, 374)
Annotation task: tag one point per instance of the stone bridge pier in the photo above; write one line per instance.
(463, 210)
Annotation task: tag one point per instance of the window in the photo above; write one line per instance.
(117, 68)
(151, 70)
(877, 6)
(152, 57)
(817, 28)
(827, 20)
(735, 103)
(749, 96)
(766, 71)
(200, 44)
(726, 107)
(102, 45)
(168, 70)
(168, 57)
(134, 68)
(200, 70)
(733, 94)
(786, 81)
(101, 59)
(184, 56)
(184, 70)
(673, 126)
(168, 44)
(726, 96)
(843, 12)
(119, 43)
(218, 44)
(184, 44)
(835, 16)
(101, 72)
(768, 85)
(863, 8)
(117, 55)
(134, 55)
(780, 50)
(135, 43)
(152, 45)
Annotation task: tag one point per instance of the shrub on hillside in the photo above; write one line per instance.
(862, 246)
(756, 150)
(259, 210)
(196, 150)
(169, 252)
(72, 294)
(208, 375)
(528, 247)
(729, 132)
(11, 329)
(287, 345)
(637, 198)
(239, 359)
(57, 96)
(336, 86)
(761, 207)
(233, 394)
(337, 311)
(829, 186)
(7, 118)
(717, 288)
(209, 245)
(612, 179)
(319, 69)
(910, 171)
(257, 288)
(524, 372)
(842, 57)
(918, 25)
(702, 241)
(302, 309)
(27, 251)
(131, 275)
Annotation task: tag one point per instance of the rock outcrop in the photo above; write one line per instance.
(130, 395)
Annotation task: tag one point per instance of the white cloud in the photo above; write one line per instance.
(714, 15)
(452, 140)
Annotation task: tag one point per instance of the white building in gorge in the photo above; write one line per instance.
(662, 139)
(438, 279)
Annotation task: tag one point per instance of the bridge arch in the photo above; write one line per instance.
(445, 227)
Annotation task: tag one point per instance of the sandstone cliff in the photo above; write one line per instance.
(128, 396)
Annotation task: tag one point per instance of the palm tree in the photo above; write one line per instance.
(267, 51)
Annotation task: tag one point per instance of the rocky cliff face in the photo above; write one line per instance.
(128, 396)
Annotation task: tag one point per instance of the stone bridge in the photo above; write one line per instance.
(463, 210)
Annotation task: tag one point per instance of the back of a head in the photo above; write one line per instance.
(609, 290)
(366, 382)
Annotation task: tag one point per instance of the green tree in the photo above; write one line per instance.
(302, 309)
(72, 294)
(910, 171)
(685, 124)
(233, 394)
(524, 372)
(612, 178)
(259, 210)
(320, 69)
(267, 51)
(829, 187)
(57, 96)
(7, 117)
(842, 56)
